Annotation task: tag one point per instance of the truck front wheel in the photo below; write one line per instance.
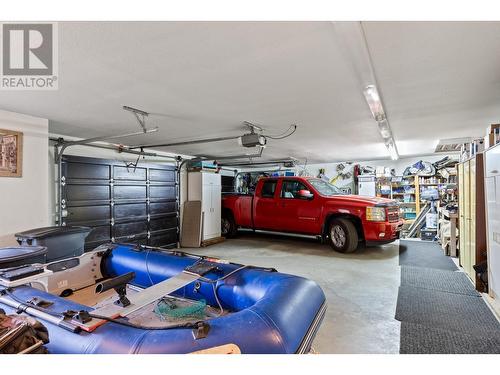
(343, 235)
(228, 225)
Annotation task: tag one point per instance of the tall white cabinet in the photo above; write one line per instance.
(492, 186)
(207, 187)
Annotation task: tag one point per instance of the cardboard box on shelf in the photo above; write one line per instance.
(491, 129)
(479, 143)
(489, 140)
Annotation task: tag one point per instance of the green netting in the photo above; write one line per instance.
(169, 308)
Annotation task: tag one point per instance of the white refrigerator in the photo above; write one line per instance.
(366, 185)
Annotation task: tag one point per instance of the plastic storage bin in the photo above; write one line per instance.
(428, 235)
(61, 242)
(21, 255)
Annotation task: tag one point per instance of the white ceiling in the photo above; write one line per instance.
(438, 80)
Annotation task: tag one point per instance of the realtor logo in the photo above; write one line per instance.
(29, 56)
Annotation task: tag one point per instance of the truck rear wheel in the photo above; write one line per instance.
(343, 235)
(228, 225)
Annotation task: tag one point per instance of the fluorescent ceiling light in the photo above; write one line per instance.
(354, 46)
(376, 107)
(373, 99)
(385, 129)
(393, 152)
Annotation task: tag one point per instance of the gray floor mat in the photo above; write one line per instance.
(421, 339)
(424, 254)
(435, 279)
(448, 311)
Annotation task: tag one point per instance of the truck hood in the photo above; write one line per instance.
(371, 201)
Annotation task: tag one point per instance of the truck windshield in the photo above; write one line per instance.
(325, 188)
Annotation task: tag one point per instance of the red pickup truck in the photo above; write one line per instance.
(311, 206)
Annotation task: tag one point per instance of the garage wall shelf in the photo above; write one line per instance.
(406, 191)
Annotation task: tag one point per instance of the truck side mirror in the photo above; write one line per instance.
(305, 194)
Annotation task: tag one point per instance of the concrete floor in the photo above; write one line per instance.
(361, 288)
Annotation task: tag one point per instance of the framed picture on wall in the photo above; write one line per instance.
(11, 153)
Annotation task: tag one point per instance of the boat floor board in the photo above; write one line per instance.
(87, 296)
(139, 300)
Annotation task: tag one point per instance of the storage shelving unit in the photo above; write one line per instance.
(383, 187)
(406, 191)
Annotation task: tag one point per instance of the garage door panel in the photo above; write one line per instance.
(130, 210)
(139, 239)
(163, 238)
(88, 171)
(163, 175)
(130, 229)
(130, 192)
(133, 206)
(100, 233)
(124, 173)
(163, 223)
(162, 207)
(98, 236)
(167, 192)
(82, 214)
(87, 192)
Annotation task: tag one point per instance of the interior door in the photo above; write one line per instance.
(216, 209)
(493, 214)
(494, 243)
(492, 188)
(466, 232)
(461, 211)
(472, 229)
(296, 214)
(211, 226)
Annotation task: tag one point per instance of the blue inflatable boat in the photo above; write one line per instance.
(261, 310)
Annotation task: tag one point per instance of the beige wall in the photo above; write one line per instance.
(24, 200)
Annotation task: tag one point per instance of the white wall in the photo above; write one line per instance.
(24, 200)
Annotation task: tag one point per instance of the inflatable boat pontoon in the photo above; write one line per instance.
(255, 309)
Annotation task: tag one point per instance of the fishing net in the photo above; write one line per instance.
(169, 308)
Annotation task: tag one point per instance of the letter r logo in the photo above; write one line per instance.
(27, 49)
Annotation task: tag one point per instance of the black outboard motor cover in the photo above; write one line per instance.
(21, 255)
(61, 242)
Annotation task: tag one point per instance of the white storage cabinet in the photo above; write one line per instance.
(492, 187)
(206, 187)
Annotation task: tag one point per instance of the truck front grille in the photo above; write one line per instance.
(393, 213)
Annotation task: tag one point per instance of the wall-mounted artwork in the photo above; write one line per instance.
(11, 153)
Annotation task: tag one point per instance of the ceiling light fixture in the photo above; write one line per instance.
(385, 130)
(354, 46)
(373, 99)
(377, 109)
(393, 152)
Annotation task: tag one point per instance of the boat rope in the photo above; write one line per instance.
(213, 282)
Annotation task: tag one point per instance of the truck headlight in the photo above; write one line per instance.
(375, 213)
